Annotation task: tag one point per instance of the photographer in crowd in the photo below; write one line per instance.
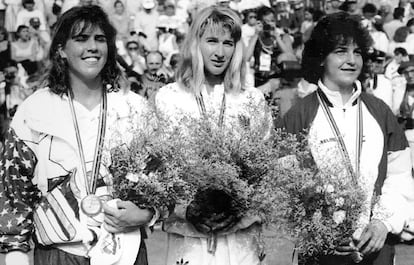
(267, 44)
(406, 117)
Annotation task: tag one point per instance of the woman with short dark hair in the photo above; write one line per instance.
(357, 133)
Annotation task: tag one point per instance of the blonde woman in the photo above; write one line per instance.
(210, 80)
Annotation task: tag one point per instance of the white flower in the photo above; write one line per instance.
(339, 216)
(329, 188)
(317, 216)
(339, 202)
(319, 189)
(135, 177)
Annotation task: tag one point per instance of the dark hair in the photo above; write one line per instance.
(401, 34)
(20, 28)
(400, 50)
(410, 22)
(117, 2)
(398, 12)
(264, 11)
(72, 22)
(369, 8)
(331, 31)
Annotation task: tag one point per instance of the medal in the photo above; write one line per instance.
(91, 205)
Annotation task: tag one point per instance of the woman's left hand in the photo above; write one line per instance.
(126, 217)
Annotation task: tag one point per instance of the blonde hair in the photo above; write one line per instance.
(190, 73)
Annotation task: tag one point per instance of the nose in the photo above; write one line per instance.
(92, 44)
(351, 57)
(219, 53)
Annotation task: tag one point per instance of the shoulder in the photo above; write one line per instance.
(41, 99)
(172, 92)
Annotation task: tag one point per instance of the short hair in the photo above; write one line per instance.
(332, 30)
(20, 28)
(154, 52)
(369, 8)
(400, 51)
(190, 73)
(74, 21)
(410, 22)
(401, 34)
(118, 2)
(264, 11)
(398, 12)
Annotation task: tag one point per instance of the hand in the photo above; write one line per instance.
(373, 237)
(215, 224)
(126, 217)
(345, 248)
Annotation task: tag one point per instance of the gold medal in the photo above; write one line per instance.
(91, 205)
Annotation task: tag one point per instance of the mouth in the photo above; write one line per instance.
(91, 59)
(218, 63)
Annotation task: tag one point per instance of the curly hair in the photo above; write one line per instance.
(333, 30)
(77, 20)
(190, 72)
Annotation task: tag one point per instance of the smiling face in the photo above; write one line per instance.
(86, 54)
(217, 48)
(342, 66)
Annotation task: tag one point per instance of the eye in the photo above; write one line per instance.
(80, 38)
(228, 43)
(358, 52)
(100, 38)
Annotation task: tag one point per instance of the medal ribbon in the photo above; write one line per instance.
(91, 185)
(203, 110)
(339, 138)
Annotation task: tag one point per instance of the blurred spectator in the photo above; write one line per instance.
(121, 21)
(170, 19)
(316, 16)
(398, 81)
(307, 21)
(28, 12)
(13, 91)
(134, 56)
(400, 40)
(351, 7)
(284, 17)
(155, 76)
(4, 48)
(379, 37)
(408, 10)
(25, 50)
(391, 26)
(249, 26)
(369, 11)
(333, 6)
(146, 21)
(12, 8)
(376, 83)
(268, 43)
(406, 111)
(298, 13)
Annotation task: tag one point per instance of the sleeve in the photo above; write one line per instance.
(395, 203)
(18, 194)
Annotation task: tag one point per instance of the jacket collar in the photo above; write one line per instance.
(334, 98)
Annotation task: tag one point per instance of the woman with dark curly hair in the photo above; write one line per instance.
(54, 177)
(357, 133)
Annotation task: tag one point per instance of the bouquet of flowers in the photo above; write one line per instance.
(318, 208)
(139, 173)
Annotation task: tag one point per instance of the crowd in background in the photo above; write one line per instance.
(150, 33)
